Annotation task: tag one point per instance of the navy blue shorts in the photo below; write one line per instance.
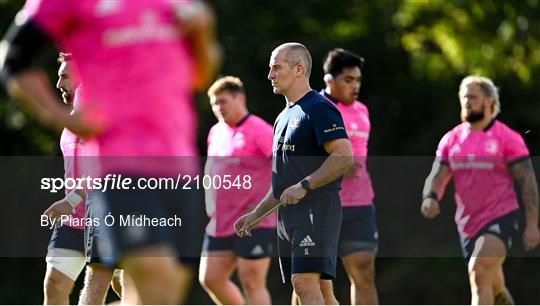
(107, 243)
(256, 246)
(308, 235)
(66, 237)
(505, 227)
(90, 233)
(358, 231)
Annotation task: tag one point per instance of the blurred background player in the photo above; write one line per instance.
(65, 257)
(239, 144)
(78, 157)
(139, 62)
(358, 238)
(485, 157)
(310, 154)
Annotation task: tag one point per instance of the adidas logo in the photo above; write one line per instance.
(257, 250)
(307, 242)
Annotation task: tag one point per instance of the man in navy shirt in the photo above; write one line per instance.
(311, 152)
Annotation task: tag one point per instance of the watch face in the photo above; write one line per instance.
(305, 185)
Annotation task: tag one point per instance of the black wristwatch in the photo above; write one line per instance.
(305, 184)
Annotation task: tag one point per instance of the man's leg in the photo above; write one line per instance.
(327, 290)
(145, 253)
(215, 270)
(502, 295)
(358, 244)
(116, 282)
(294, 298)
(63, 268)
(153, 270)
(129, 295)
(96, 284)
(307, 287)
(252, 274)
(185, 275)
(360, 267)
(314, 247)
(188, 240)
(488, 256)
(56, 287)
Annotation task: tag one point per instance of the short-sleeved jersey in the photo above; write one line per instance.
(357, 189)
(78, 154)
(479, 162)
(241, 152)
(136, 66)
(300, 132)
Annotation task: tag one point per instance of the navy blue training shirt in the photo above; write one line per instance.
(300, 131)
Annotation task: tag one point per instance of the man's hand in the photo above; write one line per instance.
(58, 209)
(430, 208)
(531, 237)
(293, 194)
(195, 16)
(244, 224)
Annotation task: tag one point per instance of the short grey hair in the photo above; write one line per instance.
(296, 53)
(487, 86)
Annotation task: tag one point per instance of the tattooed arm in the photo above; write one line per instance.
(523, 173)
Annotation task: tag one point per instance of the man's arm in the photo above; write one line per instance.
(245, 223)
(29, 85)
(32, 90)
(340, 159)
(197, 21)
(66, 205)
(523, 173)
(434, 189)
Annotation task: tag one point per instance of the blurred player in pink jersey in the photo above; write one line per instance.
(65, 257)
(358, 239)
(139, 62)
(239, 144)
(485, 157)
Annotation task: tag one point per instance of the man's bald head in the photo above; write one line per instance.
(294, 54)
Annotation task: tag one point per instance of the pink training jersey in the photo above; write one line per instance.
(479, 163)
(238, 151)
(75, 151)
(136, 65)
(357, 189)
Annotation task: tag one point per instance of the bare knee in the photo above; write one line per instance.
(361, 271)
(252, 273)
(158, 272)
(498, 282)
(209, 279)
(327, 290)
(96, 284)
(480, 273)
(305, 283)
(57, 285)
